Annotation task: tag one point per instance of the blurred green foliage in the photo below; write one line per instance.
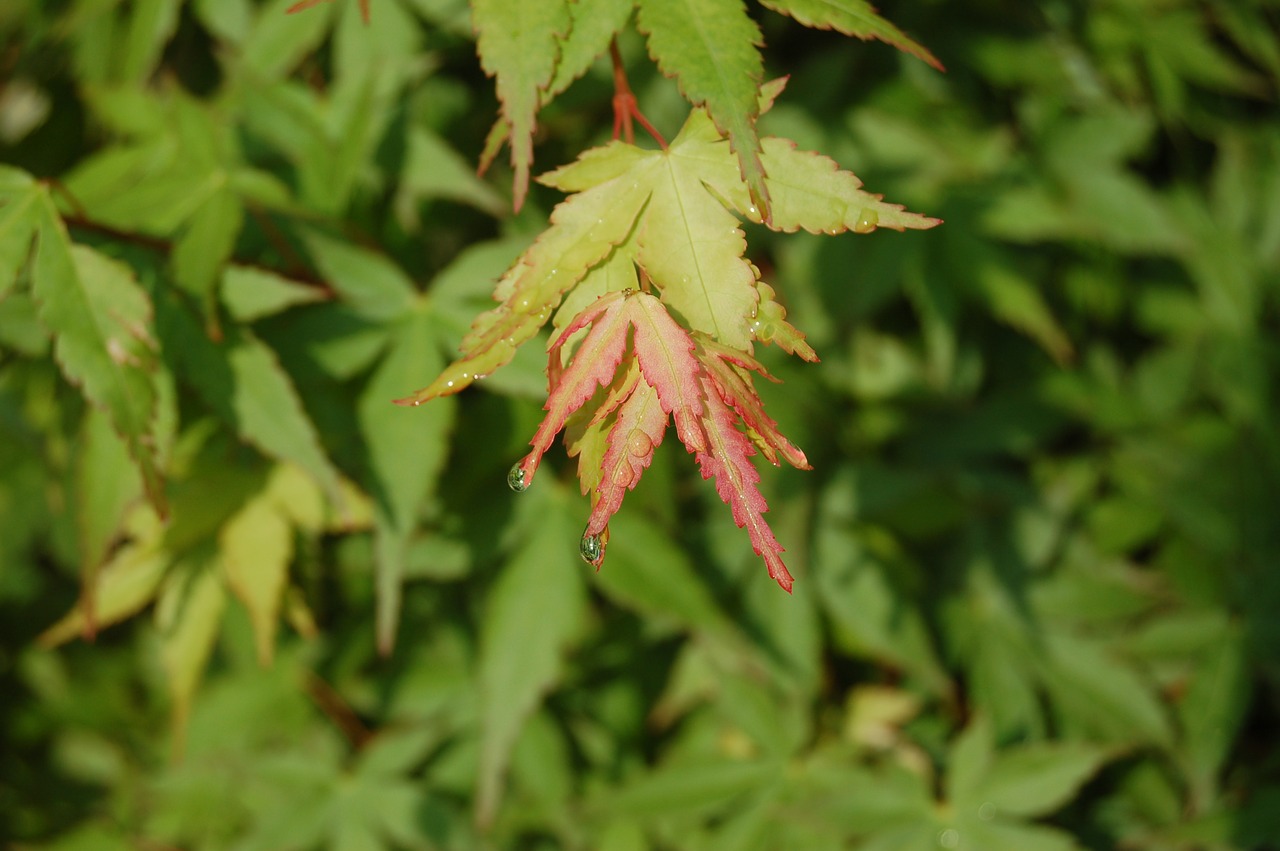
(1038, 560)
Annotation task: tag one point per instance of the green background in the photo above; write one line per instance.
(1038, 592)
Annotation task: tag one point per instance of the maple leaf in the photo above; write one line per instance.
(636, 432)
(669, 374)
(771, 326)
(711, 48)
(658, 311)
(852, 17)
(518, 43)
(728, 461)
(730, 370)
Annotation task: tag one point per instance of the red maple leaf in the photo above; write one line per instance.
(704, 386)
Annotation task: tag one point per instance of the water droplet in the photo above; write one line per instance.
(623, 475)
(753, 212)
(639, 444)
(524, 304)
(757, 327)
(516, 479)
(987, 811)
(867, 221)
(591, 548)
(949, 838)
(448, 384)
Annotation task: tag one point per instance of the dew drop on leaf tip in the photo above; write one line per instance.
(591, 549)
(867, 221)
(516, 480)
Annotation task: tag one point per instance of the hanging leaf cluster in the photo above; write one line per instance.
(656, 309)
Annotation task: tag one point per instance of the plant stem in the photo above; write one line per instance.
(625, 107)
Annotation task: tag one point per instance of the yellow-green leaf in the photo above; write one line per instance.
(256, 548)
(711, 47)
(517, 42)
(189, 613)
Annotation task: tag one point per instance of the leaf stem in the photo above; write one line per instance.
(625, 107)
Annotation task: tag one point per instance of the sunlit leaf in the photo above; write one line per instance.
(516, 41)
(711, 48)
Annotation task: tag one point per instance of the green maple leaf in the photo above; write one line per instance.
(674, 212)
(857, 18)
(518, 43)
(711, 47)
(666, 222)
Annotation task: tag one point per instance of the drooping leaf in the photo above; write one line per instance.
(727, 369)
(711, 48)
(854, 18)
(517, 43)
(636, 432)
(664, 351)
(728, 461)
(593, 365)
